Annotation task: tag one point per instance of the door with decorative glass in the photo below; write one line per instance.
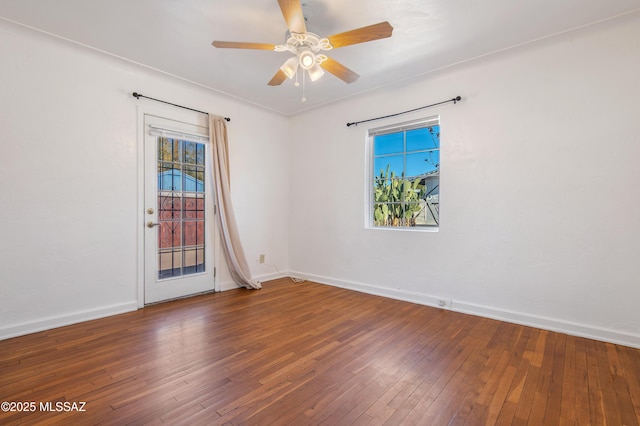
(178, 201)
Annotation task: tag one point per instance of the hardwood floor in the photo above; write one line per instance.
(306, 354)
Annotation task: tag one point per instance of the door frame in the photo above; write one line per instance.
(176, 114)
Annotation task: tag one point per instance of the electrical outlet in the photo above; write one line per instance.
(261, 258)
(445, 303)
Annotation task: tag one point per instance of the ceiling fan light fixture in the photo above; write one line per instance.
(315, 72)
(307, 59)
(290, 67)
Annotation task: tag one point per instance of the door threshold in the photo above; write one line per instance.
(179, 298)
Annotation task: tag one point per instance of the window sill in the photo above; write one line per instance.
(405, 229)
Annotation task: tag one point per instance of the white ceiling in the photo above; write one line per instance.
(175, 36)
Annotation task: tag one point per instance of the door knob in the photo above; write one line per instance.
(151, 224)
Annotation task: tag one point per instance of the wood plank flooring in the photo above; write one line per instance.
(310, 354)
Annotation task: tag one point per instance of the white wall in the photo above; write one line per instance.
(69, 203)
(547, 132)
(540, 207)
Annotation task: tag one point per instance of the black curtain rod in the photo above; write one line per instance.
(454, 100)
(139, 95)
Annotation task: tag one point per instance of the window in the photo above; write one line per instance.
(404, 184)
(181, 207)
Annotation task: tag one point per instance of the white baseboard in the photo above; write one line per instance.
(48, 323)
(575, 329)
(230, 284)
(272, 276)
(551, 324)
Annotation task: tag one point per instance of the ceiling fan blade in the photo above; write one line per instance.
(293, 16)
(278, 79)
(242, 45)
(360, 35)
(339, 70)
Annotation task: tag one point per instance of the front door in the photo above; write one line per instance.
(178, 205)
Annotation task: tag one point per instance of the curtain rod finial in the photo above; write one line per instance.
(136, 95)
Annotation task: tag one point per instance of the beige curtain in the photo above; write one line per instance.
(226, 220)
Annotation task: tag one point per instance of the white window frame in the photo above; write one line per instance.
(369, 164)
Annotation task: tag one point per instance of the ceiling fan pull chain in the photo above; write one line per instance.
(304, 99)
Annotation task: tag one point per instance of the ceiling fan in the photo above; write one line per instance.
(306, 47)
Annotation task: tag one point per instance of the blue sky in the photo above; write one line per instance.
(420, 156)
